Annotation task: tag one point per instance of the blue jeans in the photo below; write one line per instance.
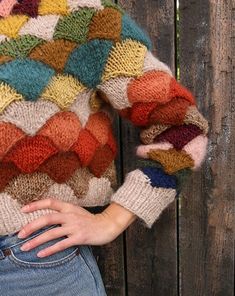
(71, 272)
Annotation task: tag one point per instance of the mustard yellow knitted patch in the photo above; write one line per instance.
(63, 90)
(7, 95)
(172, 160)
(125, 59)
(53, 7)
(11, 25)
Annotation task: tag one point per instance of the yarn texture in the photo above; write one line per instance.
(65, 67)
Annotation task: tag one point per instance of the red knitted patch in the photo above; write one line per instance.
(85, 147)
(101, 161)
(171, 113)
(7, 172)
(140, 113)
(178, 90)
(27, 7)
(30, 152)
(112, 143)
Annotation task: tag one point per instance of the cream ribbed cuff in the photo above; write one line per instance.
(140, 197)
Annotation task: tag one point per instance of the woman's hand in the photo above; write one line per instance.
(79, 225)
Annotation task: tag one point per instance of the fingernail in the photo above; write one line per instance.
(21, 234)
(40, 254)
(25, 247)
(24, 208)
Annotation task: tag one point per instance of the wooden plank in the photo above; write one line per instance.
(207, 209)
(110, 257)
(151, 255)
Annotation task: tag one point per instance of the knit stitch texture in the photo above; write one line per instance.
(65, 66)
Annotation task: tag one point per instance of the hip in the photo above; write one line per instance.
(73, 271)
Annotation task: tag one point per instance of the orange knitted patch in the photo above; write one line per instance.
(85, 146)
(99, 125)
(140, 113)
(153, 86)
(54, 53)
(60, 167)
(30, 152)
(63, 129)
(106, 24)
(171, 113)
(101, 161)
(172, 159)
(9, 135)
(7, 172)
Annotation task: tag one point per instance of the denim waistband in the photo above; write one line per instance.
(11, 240)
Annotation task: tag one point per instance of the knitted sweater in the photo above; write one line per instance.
(65, 67)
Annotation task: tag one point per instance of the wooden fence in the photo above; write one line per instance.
(189, 250)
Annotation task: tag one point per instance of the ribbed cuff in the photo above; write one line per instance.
(140, 197)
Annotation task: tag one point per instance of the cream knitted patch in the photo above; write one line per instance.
(41, 27)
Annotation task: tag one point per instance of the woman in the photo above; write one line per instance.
(64, 67)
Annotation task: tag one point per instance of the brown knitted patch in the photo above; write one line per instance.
(172, 160)
(95, 102)
(54, 53)
(111, 174)
(79, 182)
(195, 117)
(29, 187)
(106, 24)
(4, 59)
(148, 135)
(60, 167)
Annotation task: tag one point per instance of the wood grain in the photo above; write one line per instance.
(207, 210)
(151, 255)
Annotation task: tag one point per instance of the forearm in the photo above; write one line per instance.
(119, 216)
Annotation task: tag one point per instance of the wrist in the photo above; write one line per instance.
(119, 216)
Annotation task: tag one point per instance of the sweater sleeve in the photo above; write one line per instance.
(173, 133)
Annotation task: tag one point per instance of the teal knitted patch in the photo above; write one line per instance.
(87, 61)
(75, 26)
(130, 29)
(19, 47)
(26, 76)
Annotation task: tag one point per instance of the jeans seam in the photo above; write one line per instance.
(28, 238)
(87, 264)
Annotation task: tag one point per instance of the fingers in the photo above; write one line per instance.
(60, 246)
(44, 237)
(48, 203)
(49, 219)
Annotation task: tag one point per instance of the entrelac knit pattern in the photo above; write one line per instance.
(65, 66)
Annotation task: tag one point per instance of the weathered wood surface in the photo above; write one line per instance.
(151, 255)
(207, 210)
(189, 251)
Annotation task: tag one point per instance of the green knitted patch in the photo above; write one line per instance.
(109, 3)
(20, 47)
(75, 26)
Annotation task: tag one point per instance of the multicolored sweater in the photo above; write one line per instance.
(65, 66)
